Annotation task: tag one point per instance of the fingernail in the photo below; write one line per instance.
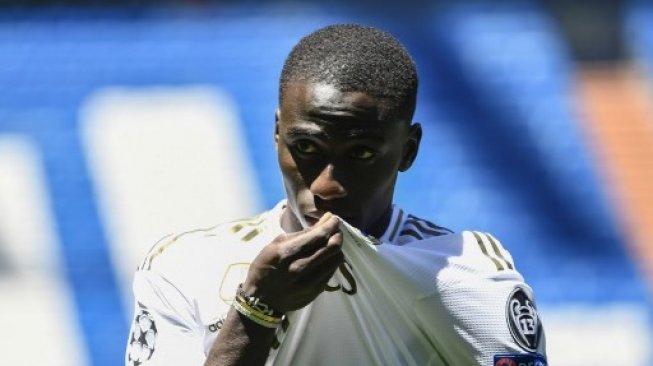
(325, 217)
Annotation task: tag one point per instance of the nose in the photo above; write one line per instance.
(326, 186)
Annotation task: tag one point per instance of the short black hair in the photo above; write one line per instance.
(354, 57)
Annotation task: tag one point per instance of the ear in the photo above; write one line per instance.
(411, 147)
(277, 117)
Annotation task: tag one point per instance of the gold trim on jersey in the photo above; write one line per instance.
(251, 235)
(497, 250)
(499, 260)
(253, 223)
(161, 246)
(234, 275)
(152, 248)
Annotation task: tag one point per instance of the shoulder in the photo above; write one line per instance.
(191, 277)
(481, 292)
(474, 258)
(473, 251)
(462, 258)
(193, 248)
(198, 266)
(484, 250)
(170, 246)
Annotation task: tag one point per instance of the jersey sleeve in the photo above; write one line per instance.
(483, 309)
(164, 330)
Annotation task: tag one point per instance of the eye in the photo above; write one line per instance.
(362, 153)
(306, 147)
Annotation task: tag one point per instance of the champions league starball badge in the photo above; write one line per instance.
(523, 320)
(142, 339)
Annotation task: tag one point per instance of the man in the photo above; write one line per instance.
(336, 274)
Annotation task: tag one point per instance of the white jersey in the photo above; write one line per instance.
(419, 295)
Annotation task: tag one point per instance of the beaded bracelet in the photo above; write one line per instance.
(255, 310)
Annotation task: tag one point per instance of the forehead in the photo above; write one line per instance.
(325, 104)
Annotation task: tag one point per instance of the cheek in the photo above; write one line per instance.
(378, 183)
(291, 176)
(383, 180)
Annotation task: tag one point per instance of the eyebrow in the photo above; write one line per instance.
(303, 131)
(355, 133)
(363, 134)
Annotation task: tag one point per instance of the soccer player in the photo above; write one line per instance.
(336, 274)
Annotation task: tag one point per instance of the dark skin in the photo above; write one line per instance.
(340, 154)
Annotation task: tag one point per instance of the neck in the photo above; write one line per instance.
(378, 227)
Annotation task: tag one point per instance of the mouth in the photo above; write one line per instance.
(311, 221)
(314, 216)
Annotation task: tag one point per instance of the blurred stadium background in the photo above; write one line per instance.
(121, 122)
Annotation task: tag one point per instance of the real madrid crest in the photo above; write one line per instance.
(523, 320)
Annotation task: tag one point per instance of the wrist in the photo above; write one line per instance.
(256, 310)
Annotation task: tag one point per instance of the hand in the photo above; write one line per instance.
(294, 269)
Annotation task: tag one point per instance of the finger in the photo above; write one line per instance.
(322, 254)
(333, 247)
(321, 221)
(323, 230)
(328, 223)
(308, 242)
(324, 218)
(318, 277)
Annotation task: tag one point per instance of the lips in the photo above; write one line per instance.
(310, 220)
(314, 216)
